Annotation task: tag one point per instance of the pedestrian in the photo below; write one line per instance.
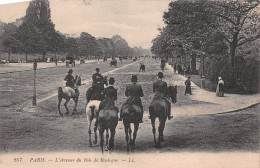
(175, 67)
(220, 88)
(188, 86)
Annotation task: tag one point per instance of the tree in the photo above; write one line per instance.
(9, 41)
(87, 44)
(37, 32)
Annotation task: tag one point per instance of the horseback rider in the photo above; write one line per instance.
(160, 90)
(70, 80)
(134, 92)
(110, 94)
(97, 85)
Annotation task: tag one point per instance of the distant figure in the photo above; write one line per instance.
(188, 88)
(175, 67)
(220, 88)
(142, 67)
(179, 69)
(188, 69)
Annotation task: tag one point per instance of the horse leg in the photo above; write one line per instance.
(95, 131)
(127, 125)
(65, 104)
(112, 136)
(76, 102)
(60, 98)
(130, 134)
(101, 136)
(107, 136)
(154, 132)
(136, 125)
(89, 130)
(160, 130)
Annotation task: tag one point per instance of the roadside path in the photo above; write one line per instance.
(209, 103)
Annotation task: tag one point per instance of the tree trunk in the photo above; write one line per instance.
(43, 56)
(193, 63)
(26, 57)
(232, 51)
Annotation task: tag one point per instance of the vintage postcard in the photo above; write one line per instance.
(122, 83)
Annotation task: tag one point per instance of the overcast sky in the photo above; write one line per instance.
(135, 20)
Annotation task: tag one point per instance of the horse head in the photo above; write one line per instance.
(172, 93)
(77, 81)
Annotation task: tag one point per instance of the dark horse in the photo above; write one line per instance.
(158, 109)
(90, 92)
(131, 114)
(142, 67)
(107, 120)
(67, 93)
(113, 62)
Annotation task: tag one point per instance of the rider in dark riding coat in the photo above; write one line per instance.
(134, 92)
(97, 85)
(160, 89)
(110, 96)
(70, 80)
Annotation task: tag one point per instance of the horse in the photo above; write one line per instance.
(113, 62)
(90, 91)
(92, 107)
(67, 93)
(158, 109)
(107, 120)
(131, 114)
(91, 112)
(142, 67)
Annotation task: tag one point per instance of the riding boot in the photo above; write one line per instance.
(142, 113)
(169, 110)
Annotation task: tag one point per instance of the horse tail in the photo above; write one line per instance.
(60, 91)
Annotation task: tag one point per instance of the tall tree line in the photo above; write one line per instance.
(217, 32)
(37, 34)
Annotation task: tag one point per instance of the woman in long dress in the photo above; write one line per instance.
(220, 87)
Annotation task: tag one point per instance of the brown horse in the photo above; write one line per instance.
(67, 93)
(158, 109)
(107, 120)
(131, 114)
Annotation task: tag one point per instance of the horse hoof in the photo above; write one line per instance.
(95, 142)
(107, 149)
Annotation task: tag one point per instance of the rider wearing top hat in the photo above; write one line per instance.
(70, 79)
(160, 90)
(134, 92)
(110, 94)
(97, 85)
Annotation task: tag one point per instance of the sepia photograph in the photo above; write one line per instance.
(129, 83)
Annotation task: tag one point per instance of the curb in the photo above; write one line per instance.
(236, 110)
(38, 69)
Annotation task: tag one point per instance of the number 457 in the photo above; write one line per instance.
(18, 159)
